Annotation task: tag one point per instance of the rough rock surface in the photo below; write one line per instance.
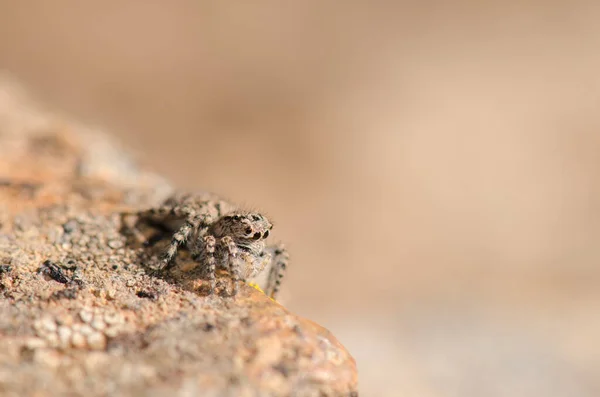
(80, 312)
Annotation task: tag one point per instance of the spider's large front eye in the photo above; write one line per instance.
(266, 234)
(248, 230)
(256, 236)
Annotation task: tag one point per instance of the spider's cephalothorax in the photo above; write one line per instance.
(247, 229)
(220, 236)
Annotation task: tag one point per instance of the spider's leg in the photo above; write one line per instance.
(233, 262)
(178, 239)
(258, 262)
(279, 265)
(208, 255)
(164, 213)
(191, 224)
(197, 243)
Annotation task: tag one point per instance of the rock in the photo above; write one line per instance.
(81, 312)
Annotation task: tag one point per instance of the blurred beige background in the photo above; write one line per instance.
(434, 168)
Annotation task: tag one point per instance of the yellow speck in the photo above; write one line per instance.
(257, 287)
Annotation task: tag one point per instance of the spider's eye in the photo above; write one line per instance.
(248, 230)
(236, 217)
(255, 218)
(256, 236)
(266, 234)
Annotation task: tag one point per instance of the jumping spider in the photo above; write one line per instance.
(218, 235)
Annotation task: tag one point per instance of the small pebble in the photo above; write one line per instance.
(111, 294)
(98, 323)
(48, 325)
(45, 325)
(86, 316)
(112, 332)
(96, 341)
(78, 340)
(86, 330)
(64, 336)
(52, 340)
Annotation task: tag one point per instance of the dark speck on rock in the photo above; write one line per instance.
(70, 265)
(70, 226)
(147, 294)
(77, 279)
(52, 270)
(281, 368)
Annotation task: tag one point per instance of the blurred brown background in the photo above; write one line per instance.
(432, 167)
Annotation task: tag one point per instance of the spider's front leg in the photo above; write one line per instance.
(232, 261)
(279, 265)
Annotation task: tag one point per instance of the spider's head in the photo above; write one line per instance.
(249, 226)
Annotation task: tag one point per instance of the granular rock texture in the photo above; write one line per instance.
(82, 313)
